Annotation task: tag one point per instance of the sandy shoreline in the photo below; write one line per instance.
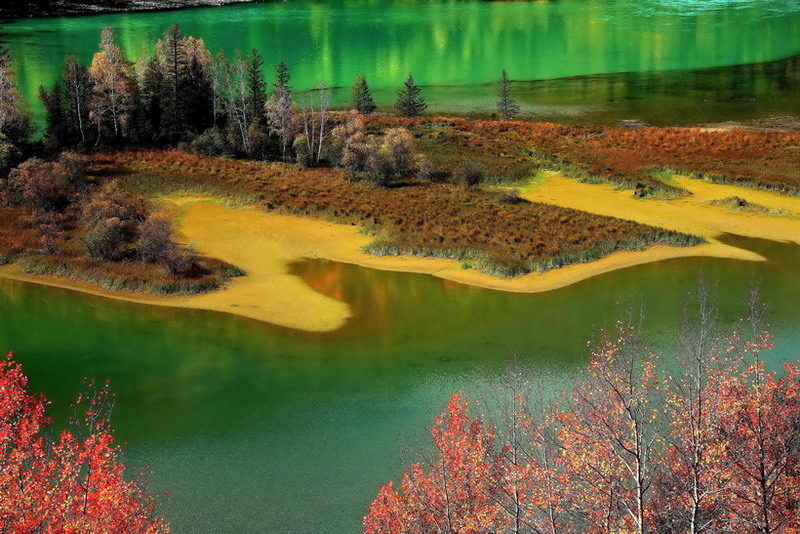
(265, 244)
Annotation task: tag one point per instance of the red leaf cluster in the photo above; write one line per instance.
(75, 483)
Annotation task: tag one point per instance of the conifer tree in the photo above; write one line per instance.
(507, 105)
(153, 86)
(409, 103)
(256, 86)
(171, 53)
(282, 77)
(362, 97)
(56, 132)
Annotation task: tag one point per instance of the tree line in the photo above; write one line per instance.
(711, 445)
(178, 93)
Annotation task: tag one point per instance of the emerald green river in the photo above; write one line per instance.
(254, 428)
(663, 61)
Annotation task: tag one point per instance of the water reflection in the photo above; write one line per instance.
(446, 43)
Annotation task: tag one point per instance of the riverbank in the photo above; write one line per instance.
(266, 244)
(62, 8)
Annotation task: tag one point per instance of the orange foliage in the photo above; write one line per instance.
(438, 219)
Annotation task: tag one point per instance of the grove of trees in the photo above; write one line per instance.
(74, 481)
(711, 445)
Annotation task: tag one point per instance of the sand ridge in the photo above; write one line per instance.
(265, 244)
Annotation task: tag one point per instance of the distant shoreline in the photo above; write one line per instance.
(60, 9)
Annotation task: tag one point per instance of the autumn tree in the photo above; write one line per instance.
(114, 92)
(67, 106)
(409, 102)
(695, 488)
(709, 443)
(281, 109)
(15, 121)
(77, 92)
(760, 431)
(233, 85)
(74, 483)
(453, 490)
(609, 434)
(315, 123)
(361, 99)
(506, 105)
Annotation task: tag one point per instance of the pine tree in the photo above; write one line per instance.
(507, 106)
(172, 56)
(256, 86)
(282, 78)
(409, 103)
(56, 132)
(362, 97)
(152, 80)
(196, 88)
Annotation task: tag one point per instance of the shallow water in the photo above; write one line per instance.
(671, 52)
(254, 428)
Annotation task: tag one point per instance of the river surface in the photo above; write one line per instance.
(254, 428)
(663, 61)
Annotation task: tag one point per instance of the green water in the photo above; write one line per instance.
(253, 428)
(456, 48)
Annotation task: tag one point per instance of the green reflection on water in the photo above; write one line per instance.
(249, 426)
(455, 46)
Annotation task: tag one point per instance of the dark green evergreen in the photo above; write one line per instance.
(56, 133)
(256, 86)
(507, 105)
(362, 97)
(409, 103)
(282, 78)
(151, 99)
(197, 96)
(173, 118)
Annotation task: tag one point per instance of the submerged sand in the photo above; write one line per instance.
(265, 244)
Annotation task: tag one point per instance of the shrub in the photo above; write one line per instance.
(300, 146)
(103, 239)
(424, 167)
(74, 167)
(397, 147)
(510, 197)
(10, 156)
(155, 239)
(358, 149)
(210, 143)
(470, 174)
(179, 260)
(37, 184)
(341, 134)
(113, 202)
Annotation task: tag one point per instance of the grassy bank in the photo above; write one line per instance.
(208, 274)
(632, 158)
(418, 217)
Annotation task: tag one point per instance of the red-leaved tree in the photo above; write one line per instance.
(75, 483)
(711, 445)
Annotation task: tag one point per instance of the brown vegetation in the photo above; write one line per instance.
(56, 222)
(420, 217)
(629, 156)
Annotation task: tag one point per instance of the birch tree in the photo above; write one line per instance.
(114, 92)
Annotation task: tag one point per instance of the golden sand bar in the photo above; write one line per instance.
(264, 244)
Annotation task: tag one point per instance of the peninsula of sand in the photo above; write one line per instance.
(265, 244)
